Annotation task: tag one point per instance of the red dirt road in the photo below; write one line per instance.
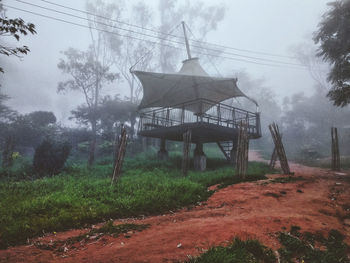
(248, 210)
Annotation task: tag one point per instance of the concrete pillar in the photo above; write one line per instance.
(144, 144)
(199, 158)
(163, 153)
(233, 152)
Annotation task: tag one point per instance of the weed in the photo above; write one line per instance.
(116, 230)
(301, 247)
(249, 251)
(285, 180)
(108, 228)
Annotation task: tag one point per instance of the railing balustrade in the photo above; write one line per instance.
(199, 111)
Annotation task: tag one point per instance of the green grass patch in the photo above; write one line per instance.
(295, 247)
(312, 248)
(79, 197)
(250, 251)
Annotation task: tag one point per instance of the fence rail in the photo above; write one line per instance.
(200, 111)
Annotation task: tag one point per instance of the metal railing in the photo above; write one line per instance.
(199, 111)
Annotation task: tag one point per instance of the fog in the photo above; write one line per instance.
(118, 116)
(267, 45)
(271, 26)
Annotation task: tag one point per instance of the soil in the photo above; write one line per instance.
(255, 210)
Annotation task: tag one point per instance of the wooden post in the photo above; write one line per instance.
(121, 149)
(335, 150)
(167, 117)
(233, 118)
(218, 113)
(183, 114)
(242, 151)
(276, 136)
(186, 151)
(274, 157)
(257, 123)
(154, 117)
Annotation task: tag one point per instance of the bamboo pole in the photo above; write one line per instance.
(121, 149)
(335, 149)
(242, 150)
(274, 157)
(277, 139)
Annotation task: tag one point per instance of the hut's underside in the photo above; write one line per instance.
(201, 132)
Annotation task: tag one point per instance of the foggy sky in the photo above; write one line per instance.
(273, 26)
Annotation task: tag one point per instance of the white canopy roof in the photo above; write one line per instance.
(189, 84)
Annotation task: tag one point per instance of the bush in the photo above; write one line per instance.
(50, 157)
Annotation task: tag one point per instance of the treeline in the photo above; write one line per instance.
(38, 135)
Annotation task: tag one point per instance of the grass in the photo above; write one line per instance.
(250, 251)
(80, 196)
(94, 234)
(295, 247)
(285, 180)
(326, 162)
(312, 248)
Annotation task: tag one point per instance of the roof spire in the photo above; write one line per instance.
(186, 40)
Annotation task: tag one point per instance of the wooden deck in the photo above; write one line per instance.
(219, 122)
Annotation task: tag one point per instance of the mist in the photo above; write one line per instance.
(272, 27)
(174, 131)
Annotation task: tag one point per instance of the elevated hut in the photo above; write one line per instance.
(191, 100)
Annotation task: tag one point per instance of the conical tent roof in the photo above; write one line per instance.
(189, 84)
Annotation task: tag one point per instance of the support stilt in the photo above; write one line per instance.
(186, 151)
(199, 158)
(163, 153)
(233, 152)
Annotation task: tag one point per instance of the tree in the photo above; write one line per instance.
(333, 35)
(125, 52)
(25, 132)
(13, 28)
(42, 118)
(111, 113)
(200, 17)
(306, 120)
(88, 75)
(131, 51)
(5, 112)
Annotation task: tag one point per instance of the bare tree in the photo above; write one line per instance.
(199, 16)
(88, 75)
(318, 69)
(125, 52)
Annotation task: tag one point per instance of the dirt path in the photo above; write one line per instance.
(257, 210)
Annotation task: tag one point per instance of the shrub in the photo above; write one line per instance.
(50, 157)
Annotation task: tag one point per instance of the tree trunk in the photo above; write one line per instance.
(92, 148)
(132, 122)
(7, 154)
